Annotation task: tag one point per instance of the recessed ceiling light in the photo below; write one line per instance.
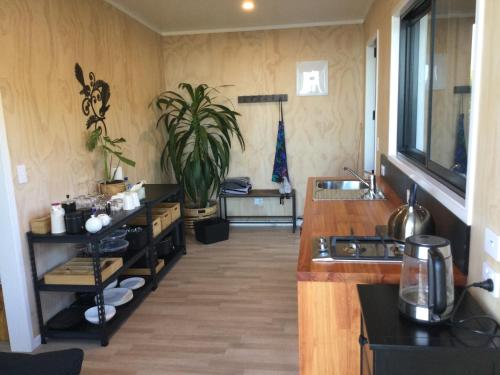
(248, 5)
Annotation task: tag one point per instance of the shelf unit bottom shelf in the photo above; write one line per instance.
(90, 331)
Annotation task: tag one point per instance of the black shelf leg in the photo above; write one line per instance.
(151, 249)
(96, 263)
(179, 231)
(34, 274)
(294, 213)
(220, 206)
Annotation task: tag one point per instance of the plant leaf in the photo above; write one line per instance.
(93, 139)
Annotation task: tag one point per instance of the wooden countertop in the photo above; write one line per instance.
(336, 217)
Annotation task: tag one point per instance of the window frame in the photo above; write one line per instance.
(422, 160)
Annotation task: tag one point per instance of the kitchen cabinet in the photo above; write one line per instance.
(394, 345)
(155, 194)
(328, 305)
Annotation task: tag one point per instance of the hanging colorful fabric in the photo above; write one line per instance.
(460, 159)
(280, 169)
(460, 147)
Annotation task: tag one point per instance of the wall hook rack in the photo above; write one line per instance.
(263, 98)
(462, 89)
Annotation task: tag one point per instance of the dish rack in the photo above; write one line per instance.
(91, 275)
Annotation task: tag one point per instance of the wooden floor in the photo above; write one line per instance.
(227, 308)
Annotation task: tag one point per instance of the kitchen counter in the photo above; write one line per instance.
(336, 218)
(328, 306)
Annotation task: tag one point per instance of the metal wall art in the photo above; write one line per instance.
(96, 97)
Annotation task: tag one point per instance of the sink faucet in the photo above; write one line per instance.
(372, 185)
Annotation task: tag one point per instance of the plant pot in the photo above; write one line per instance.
(211, 230)
(192, 215)
(112, 187)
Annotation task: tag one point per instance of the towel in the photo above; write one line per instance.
(236, 185)
(280, 169)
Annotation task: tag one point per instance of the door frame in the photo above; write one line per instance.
(371, 101)
(13, 267)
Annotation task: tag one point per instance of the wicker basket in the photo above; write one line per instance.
(112, 188)
(40, 225)
(192, 215)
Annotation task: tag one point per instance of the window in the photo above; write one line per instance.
(435, 87)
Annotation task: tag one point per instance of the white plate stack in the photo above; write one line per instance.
(133, 283)
(92, 314)
(117, 296)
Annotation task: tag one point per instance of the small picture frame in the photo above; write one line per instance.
(312, 78)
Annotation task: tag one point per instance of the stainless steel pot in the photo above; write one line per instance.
(410, 219)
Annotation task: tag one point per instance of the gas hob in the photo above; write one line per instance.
(357, 249)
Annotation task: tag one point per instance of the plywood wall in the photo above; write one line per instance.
(41, 41)
(487, 194)
(378, 20)
(323, 134)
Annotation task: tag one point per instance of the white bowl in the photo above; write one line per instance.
(92, 315)
(105, 219)
(93, 225)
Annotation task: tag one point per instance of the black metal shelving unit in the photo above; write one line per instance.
(155, 193)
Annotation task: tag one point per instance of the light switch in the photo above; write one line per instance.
(22, 176)
(491, 241)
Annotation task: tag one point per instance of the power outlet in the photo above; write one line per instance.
(382, 169)
(490, 273)
(258, 201)
(491, 244)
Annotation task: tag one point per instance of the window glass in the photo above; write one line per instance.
(451, 85)
(435, 87)
(420, 63)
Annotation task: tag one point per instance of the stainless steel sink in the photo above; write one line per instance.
(340, 185)
(328, 189)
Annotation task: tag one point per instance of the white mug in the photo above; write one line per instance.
(135, 196)
(128, 202)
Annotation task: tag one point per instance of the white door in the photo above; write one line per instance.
(370, 149)
(13, 270)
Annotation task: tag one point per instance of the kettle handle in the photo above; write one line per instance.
(437, 281)
(413, 195)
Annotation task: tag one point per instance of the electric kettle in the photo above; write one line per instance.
(426, 292)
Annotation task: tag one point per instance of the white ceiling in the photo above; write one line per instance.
(170, 17)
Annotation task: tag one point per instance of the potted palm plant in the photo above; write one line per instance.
(199, 131)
